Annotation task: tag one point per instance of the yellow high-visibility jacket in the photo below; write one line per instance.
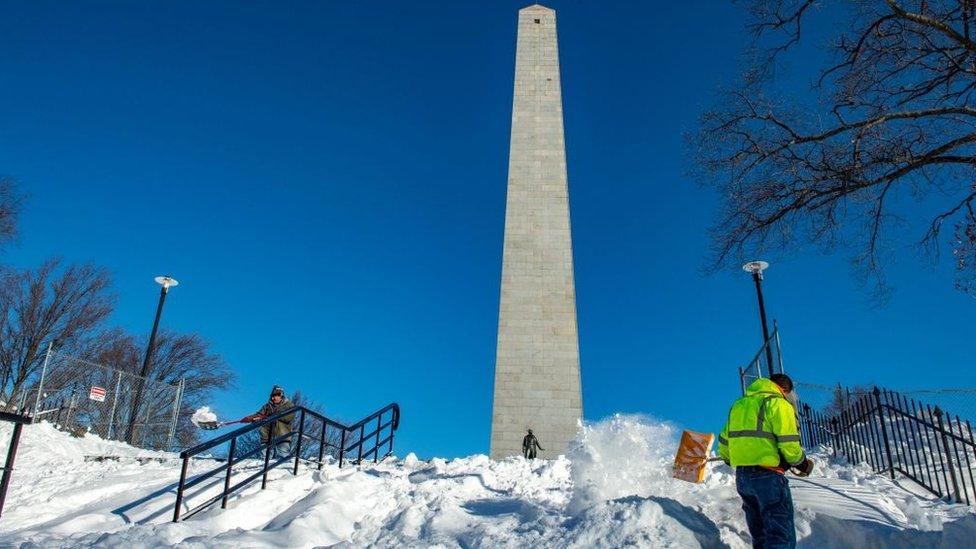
(761, 429)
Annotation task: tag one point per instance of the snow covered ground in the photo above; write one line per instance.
(613, 489)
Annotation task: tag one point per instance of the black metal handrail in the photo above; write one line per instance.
(392, 424)
(8, 466)
(896, 434)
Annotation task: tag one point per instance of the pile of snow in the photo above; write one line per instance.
(612, 489)
(203, 415)
(620, 457)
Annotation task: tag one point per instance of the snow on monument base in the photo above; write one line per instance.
(613, 489)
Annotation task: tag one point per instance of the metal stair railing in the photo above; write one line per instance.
(391, 424)
(8, 466)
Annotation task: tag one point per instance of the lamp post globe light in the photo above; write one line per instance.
(166, 282)
(756, 268)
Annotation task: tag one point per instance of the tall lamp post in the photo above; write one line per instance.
(166, 282)
(757, 268)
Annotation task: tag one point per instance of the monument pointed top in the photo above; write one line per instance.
(538, 8)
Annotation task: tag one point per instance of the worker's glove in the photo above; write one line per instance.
(804, 468)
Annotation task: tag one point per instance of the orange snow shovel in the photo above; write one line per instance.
(689, 462)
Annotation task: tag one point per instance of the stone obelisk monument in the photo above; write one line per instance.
(537, 376)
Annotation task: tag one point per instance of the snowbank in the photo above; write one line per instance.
(612, 489)
(621, 456)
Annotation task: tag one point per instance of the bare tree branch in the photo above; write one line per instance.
(895, 126)
(49, 304)
(177, 356)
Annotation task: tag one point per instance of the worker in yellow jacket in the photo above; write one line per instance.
(762, 442)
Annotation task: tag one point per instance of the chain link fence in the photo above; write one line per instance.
(828, 399)
(82, 396)
(831, 399)
(767, 361)
(960, 401)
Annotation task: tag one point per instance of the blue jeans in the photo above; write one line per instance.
(768, 504)
(281, 449)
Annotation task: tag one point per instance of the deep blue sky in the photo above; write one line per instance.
(327, 180)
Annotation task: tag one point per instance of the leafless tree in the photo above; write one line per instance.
(53, 303)
(843, 397)
(191, 358)
(176, 356)
(313, 428)
(886, 152)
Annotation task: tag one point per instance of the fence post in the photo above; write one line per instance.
(342, 447)
(176, 412)
(267, 459)
(806, 416)
(969, 429)
(40, 385)
(779, 350)
(301, 433)
(884, 430)
(376, 449)
(836, 433)
(115, 402)
(742, 380)
(8, 466)
(945, 444)
(230, 471)
(179, 490)
(359, 458)
(322, 443)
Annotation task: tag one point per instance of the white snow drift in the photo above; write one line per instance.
(613, 489)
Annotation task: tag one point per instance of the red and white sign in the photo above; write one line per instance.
(97, 393)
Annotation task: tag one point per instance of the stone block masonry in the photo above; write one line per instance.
(537, 375)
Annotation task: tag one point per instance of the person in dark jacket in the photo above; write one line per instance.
(277, 402)
(529, 445)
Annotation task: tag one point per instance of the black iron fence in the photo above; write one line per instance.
(326, 436)
(895, 434)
